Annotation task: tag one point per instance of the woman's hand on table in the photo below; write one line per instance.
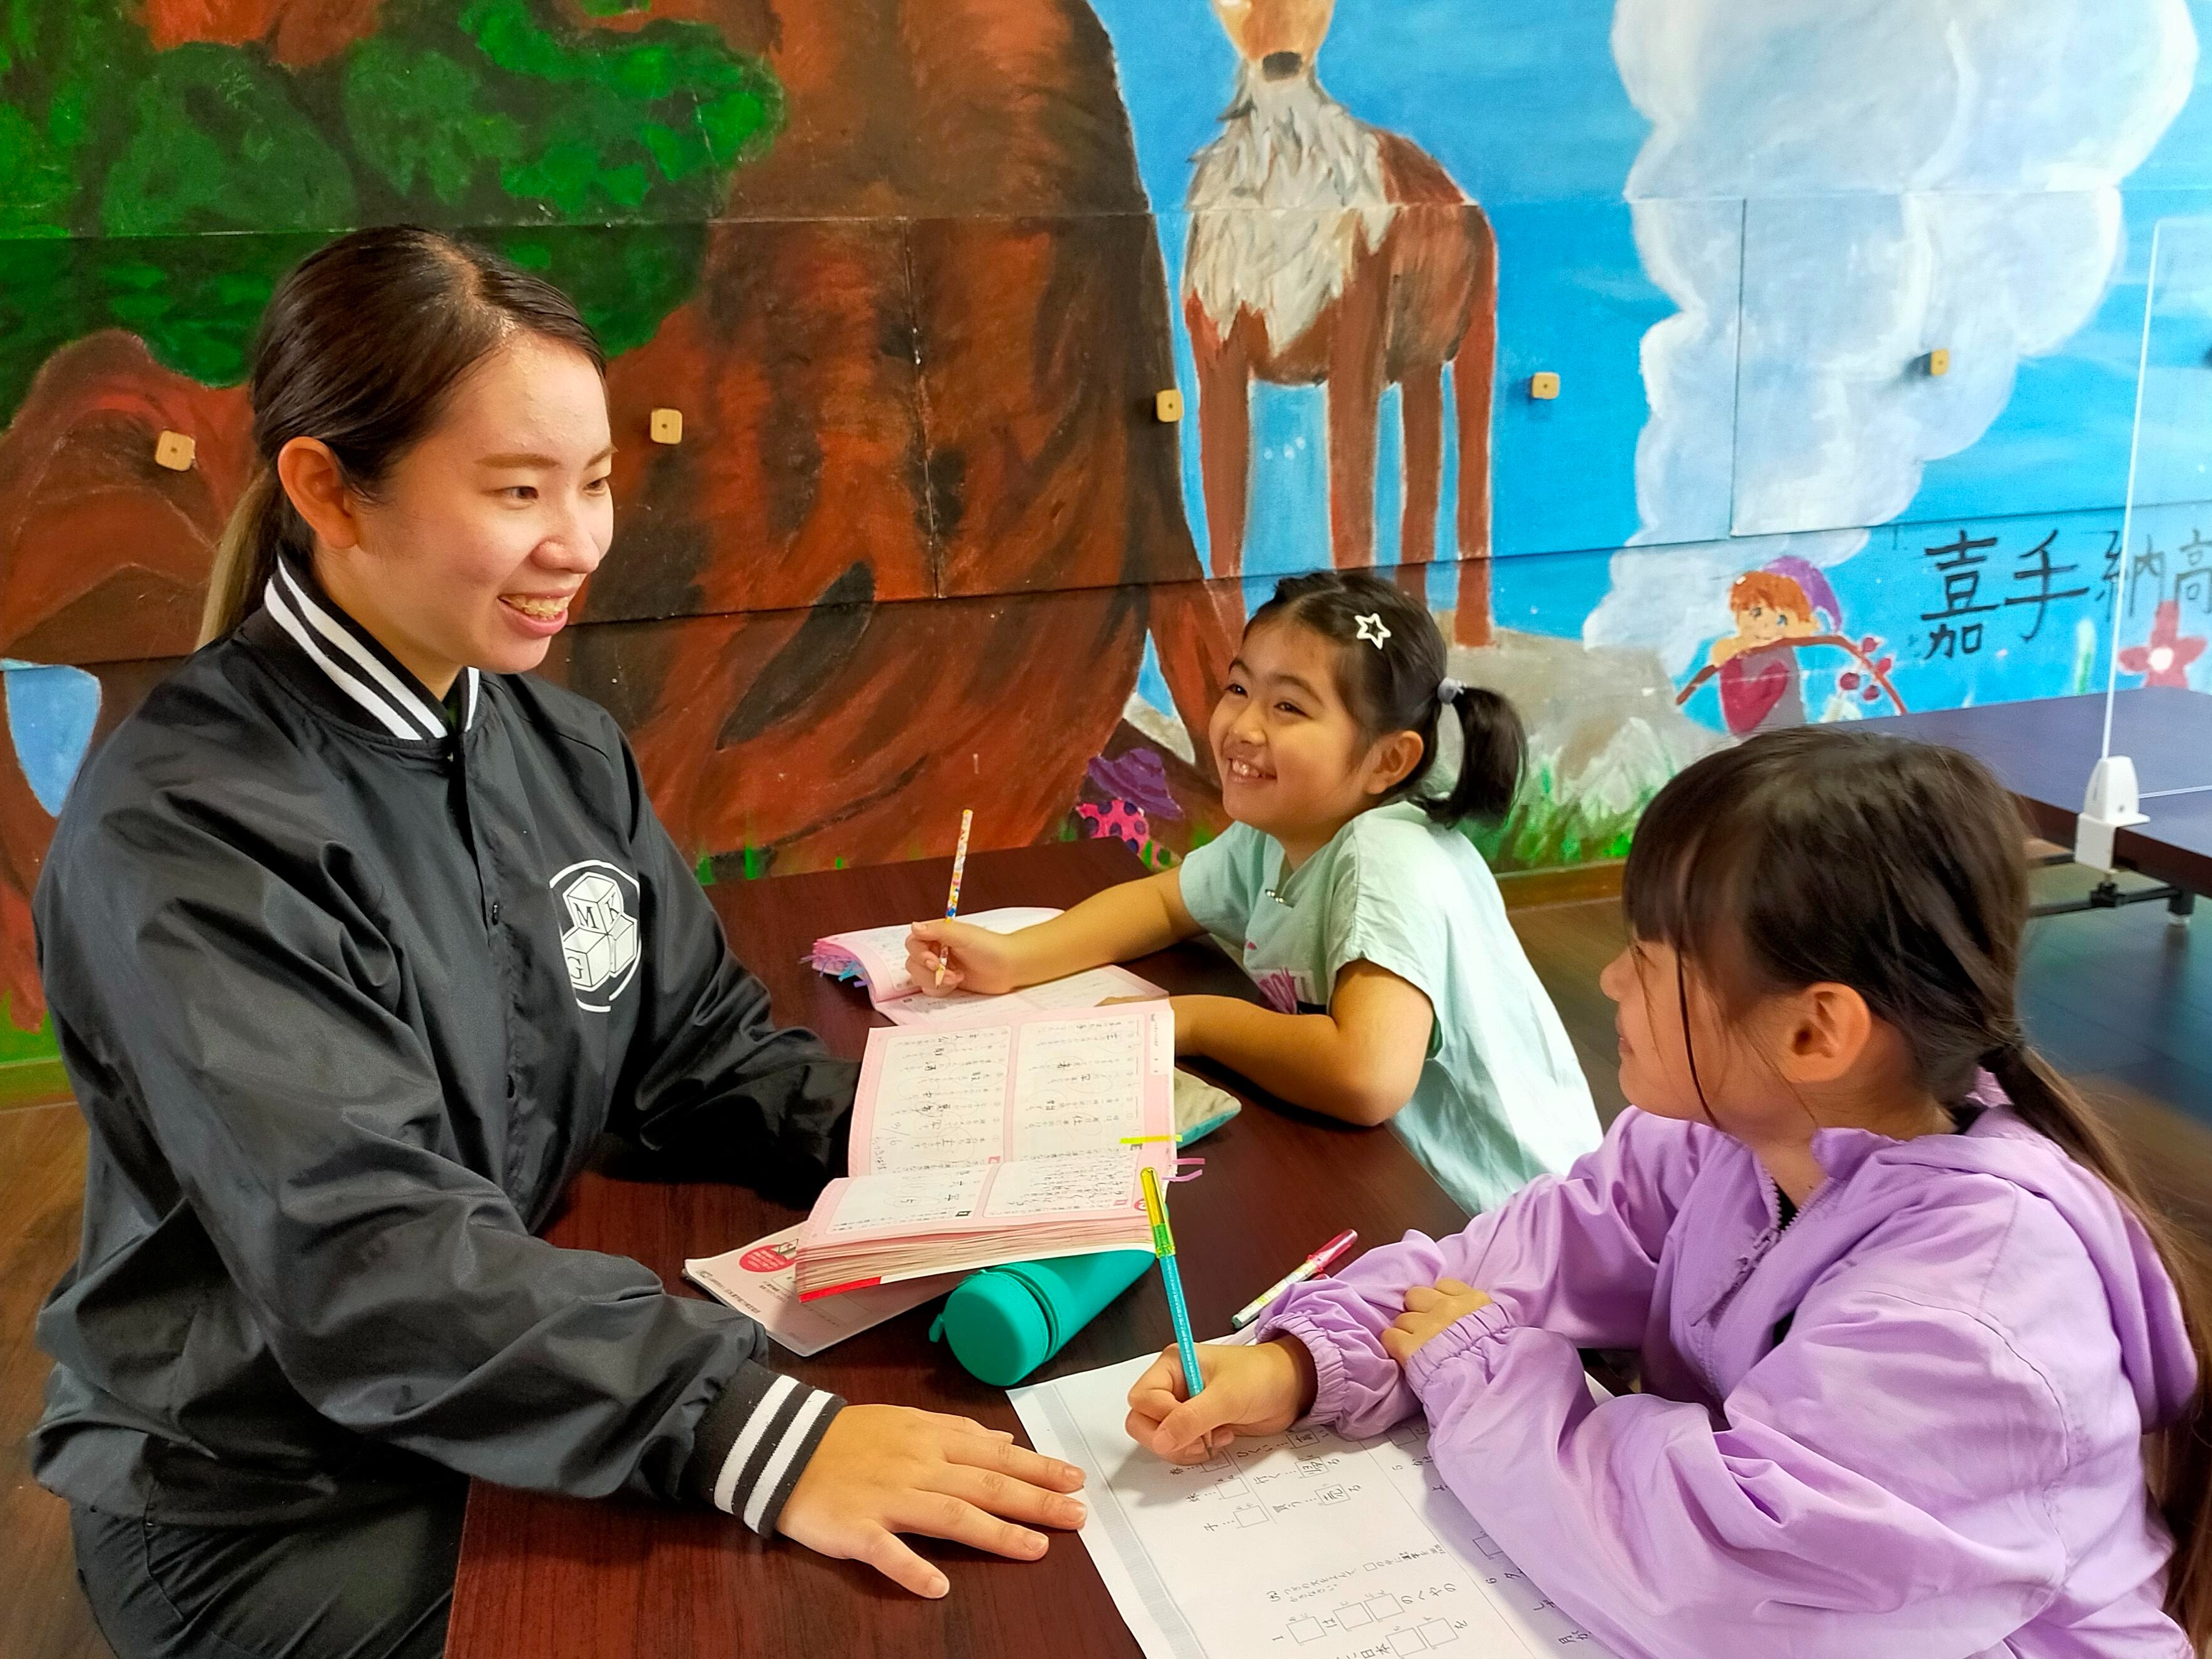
(882, 1470)
(1261, 1388)
(946, 956)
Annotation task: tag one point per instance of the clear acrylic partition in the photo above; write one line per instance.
(2158, 580)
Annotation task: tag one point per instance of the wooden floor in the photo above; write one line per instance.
(42, 1614)
(2118, 1000)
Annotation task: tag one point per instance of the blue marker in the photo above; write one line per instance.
(1164, 1247)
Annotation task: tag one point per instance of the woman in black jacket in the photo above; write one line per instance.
(356, 937)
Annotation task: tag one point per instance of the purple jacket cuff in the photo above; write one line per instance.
(1331, 1389)
(1453, 1344)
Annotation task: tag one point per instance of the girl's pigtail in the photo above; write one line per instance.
(1492, 744)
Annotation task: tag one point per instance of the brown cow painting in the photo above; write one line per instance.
(1323, 250)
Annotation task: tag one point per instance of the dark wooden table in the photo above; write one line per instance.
(552, 1577)
(2043, 750)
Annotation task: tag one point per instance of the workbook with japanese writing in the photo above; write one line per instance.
(974, 1145)
(876, 956)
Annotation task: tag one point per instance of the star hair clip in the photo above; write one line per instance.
(1371, 629)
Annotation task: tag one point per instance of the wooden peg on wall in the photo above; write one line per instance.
(1167, 406)
(1544, 387)
(1939, 362)
(174, 450)
(668, 426)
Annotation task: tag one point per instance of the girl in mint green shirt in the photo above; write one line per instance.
(1397, 990)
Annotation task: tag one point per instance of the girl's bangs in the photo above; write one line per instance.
(1690, 864)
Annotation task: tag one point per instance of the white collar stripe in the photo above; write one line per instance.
(741, 1449)
(275, 598)
(469, 707)
(408, 702)
(771, 1475)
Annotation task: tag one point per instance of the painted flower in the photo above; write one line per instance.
(1139, 777)
(1117, 818)
(2163, 658)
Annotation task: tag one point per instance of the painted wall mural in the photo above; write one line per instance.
(914, 270)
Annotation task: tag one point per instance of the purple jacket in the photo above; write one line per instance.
(1937, 1454)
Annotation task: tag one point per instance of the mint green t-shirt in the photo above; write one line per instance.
(1501, 1098)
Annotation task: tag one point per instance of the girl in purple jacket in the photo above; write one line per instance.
(1917, 1376)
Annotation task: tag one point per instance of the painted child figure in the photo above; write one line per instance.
(1760, 688)
(1399, 991)
(1910, 1341)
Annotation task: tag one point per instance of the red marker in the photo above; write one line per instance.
(1318, 1263)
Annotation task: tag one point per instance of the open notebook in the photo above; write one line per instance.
(877, 958)
(974, 1145)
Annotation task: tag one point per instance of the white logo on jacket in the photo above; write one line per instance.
(601, 943)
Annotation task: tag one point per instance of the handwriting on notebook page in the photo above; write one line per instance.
(1072, 1181)
(940, 1097)
(953, 1008)
(911, 1198)
(1078, 1083)
(1084, 990)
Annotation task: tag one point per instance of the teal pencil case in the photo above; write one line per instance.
(1002, 1322)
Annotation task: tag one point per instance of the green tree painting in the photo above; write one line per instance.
(127, 173)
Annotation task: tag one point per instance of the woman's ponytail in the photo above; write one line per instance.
(245, 557)
(1492, 744)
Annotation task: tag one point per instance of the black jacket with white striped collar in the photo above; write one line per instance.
(349, 981)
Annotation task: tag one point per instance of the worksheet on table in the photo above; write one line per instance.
(1084, 990)
(1302, 1545)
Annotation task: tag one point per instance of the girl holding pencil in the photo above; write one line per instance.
(1923, 1372)
(1396, 990)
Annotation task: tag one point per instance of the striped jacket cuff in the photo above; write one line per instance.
(754, 1441)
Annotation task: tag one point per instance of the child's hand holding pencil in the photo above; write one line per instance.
(930, 948)
(1259, 1389)
(958, 955)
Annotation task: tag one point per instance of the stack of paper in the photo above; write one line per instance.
(876, 956)
(974, 1145)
